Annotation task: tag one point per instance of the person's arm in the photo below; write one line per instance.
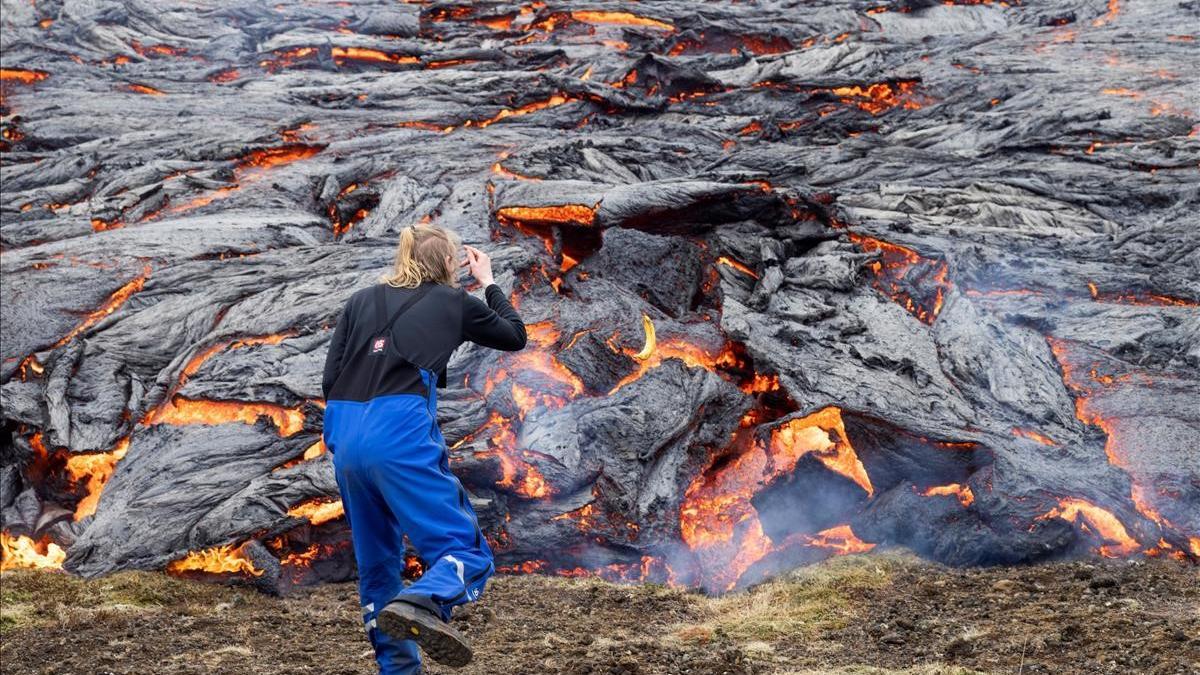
(495, 324)
(337, 348)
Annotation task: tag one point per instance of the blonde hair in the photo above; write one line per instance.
(421, 256)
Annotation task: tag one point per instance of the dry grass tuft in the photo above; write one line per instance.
(926, 669)
(29, 598)
(804, 603)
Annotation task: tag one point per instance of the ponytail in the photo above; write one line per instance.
(421, 256)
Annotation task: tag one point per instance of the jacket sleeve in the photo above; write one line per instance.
(495, 324)
(337, 348)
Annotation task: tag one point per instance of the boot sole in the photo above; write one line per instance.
(440, 641)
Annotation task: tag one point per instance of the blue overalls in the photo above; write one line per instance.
(393, 472)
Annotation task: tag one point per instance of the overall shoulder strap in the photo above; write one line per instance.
(380, 304)
(381, 307)
(404, 307)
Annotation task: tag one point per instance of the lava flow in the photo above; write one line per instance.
(654, 351)
(318, 511)
(517, 475)
(250, 168)
(22, 552)
(562, 214)
(217, 560)
(961, 492)
(180, 410)
(839, 237)
(717, 520)
(1099, 521)
(534, 379)
(22, 76)
(94, 469)
(879, 97)
(918, 284)
(114, 302)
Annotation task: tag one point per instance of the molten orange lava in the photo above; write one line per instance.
(899, 269)
(563, 214)
(414, 567)
(714, 505)
(265, 158)
(218, 560)
(223, 76)
(24, 553)
(118, 298)
(203, 200)
(753, 127)
(179, 410)
(318, 510)
(753, 546)
(500, 170)
(1121, 91)
(730, 262)
(840, 539)
(717, 519)
(1081, 387)
(375, 55)
(541, 359)
(587, 518)
(157, 50)
(497, 22)
(823, 434)
(1080, 390)
(96, 469)
(287, 57)
(1145, 299)
(198, 360)
(1114, 8)
(879, 97)
(527, 567)
(654, 351)
(517, 474)
(315, 450)
(1098, 521)
(555, 100)
(251, 168)
(620, 18)
(311, 452)
(22, 76)
(761, 383)
(301, 559)
(29, 365)
(144, 89)
(583, 517)
(962, 492)
(1034, 436)
(101, 225)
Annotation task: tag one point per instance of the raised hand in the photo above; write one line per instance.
(479, 264)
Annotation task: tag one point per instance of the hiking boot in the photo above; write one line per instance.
(444, 644)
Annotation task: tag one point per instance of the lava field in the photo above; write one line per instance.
(800, 279)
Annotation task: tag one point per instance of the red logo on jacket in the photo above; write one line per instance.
(379, 345)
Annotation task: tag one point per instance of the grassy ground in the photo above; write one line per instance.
(884, 614)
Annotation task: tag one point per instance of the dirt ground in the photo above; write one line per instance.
(881, 614)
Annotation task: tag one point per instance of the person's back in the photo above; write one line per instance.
(423, 337)
(387, 357)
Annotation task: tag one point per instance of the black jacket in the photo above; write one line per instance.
(359, 367)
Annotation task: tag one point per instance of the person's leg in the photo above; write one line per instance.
(434, 512)
(379, 552)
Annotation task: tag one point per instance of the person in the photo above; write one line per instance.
(386, 359)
